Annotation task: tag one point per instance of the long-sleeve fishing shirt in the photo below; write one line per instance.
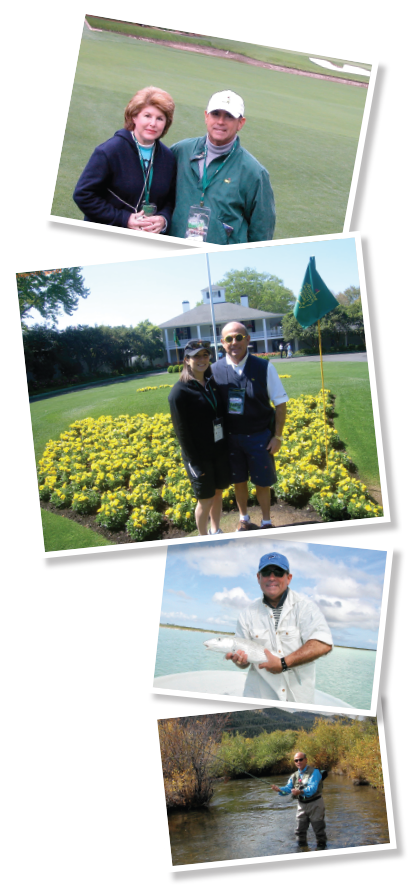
(310, 788)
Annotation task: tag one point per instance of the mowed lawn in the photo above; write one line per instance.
(303, 130)
(349, 382)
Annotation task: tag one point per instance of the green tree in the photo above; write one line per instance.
(150, 343)
(266, 292)
(291, 329)
(340, 322)
(349, 296)
(50, 293)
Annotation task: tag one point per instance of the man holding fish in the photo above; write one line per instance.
(287, 634)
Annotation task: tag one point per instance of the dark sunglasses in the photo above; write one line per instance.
(276, 571)
(198, 343)
(300, 760)
(239, 337)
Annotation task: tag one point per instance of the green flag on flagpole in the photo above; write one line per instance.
(175, 339)
(315, 299)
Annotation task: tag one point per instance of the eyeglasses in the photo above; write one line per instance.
(198, 343)
(238, 338)
(276, 571)
(300, 760)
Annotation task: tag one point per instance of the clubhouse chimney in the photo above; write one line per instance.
(244, 301)
(185, 306)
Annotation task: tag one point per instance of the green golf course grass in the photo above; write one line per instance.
(269, 54)
(61, 533)
(303, 130)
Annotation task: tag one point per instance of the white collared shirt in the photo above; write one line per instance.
(301, 620)
(276, 391)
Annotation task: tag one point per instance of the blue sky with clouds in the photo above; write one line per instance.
(207, 585)
(125, 293)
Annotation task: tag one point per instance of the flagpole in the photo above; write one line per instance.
(214, 329)
(314, 302)
(324, 399)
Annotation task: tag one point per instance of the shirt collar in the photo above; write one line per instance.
(237, 366)
(280, 602)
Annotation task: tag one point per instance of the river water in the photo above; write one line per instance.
(247, 819)
(347, 673)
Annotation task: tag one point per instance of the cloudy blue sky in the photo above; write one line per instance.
(125, 293)
(207, 585)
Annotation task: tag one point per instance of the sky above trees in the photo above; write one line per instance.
(126, 293)
(207, 589)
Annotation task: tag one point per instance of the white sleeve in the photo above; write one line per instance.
(313, 624)
(242, 630)
(276, 391)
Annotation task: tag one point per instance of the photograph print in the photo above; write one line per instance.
(199, 138)
(259, 786)
(208, 408)
(268, 619)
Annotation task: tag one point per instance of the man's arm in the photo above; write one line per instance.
(262, 215)
(283, 790)
(280, 417)
(309, 651)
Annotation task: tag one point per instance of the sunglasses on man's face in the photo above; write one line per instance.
(276, 571)
(238, 338)
(299, 760)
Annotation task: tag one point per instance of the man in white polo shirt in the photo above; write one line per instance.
(295, 631)
(248, 386)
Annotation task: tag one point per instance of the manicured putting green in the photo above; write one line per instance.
(303, 130)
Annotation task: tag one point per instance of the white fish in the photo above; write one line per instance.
(229, 644)
(255, 650)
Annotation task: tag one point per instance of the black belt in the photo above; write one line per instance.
(312, 799)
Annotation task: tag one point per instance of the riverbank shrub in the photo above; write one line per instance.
(350, 748)
(261, 754)
(187, 748)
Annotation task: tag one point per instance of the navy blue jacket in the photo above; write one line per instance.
(110, 186)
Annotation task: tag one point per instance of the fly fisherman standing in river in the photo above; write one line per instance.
(295, 632)
(306, 785)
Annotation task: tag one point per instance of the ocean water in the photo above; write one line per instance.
(347, 673)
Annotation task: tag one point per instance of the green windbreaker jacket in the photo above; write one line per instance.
(239, 196)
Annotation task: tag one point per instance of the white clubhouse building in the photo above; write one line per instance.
(264, 327)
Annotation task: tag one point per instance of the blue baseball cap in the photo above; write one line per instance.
(274, 558)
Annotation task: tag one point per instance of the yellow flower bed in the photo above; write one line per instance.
(154, 388)
(128, 470)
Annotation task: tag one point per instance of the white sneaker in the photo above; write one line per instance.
(214, 532)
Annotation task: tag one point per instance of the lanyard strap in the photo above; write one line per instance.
(207, 182)
(212, 400)
(148, 175)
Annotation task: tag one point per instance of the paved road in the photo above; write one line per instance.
(348, 356)
(355, 356)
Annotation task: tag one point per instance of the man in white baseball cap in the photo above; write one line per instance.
(223, 194)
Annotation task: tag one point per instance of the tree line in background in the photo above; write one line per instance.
(266, 292)
(198, 750)
(79, 354)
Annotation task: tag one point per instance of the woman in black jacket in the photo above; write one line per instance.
(130, 180)
(196, 417)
